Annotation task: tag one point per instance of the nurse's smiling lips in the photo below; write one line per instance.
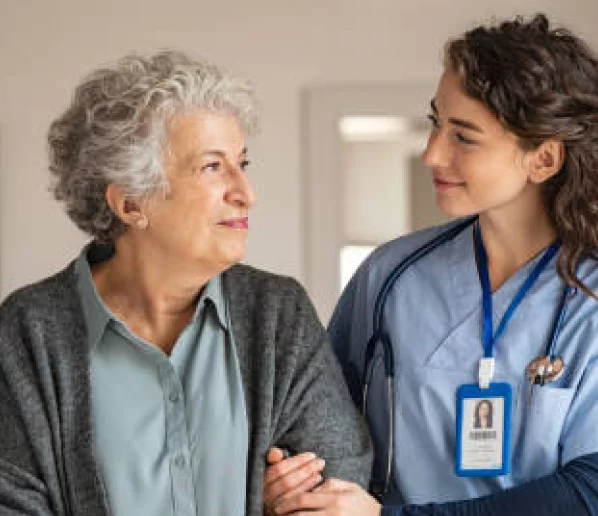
(445, 184)
(236, 223)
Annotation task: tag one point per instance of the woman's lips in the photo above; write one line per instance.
(240, 223)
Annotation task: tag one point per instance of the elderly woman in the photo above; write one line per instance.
(126, 378)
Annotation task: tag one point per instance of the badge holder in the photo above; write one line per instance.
(484, 410)
(483, 426)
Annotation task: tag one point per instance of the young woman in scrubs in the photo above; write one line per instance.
(505, 310)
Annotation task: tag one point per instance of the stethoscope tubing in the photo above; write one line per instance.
(389, 282)
(379, 335)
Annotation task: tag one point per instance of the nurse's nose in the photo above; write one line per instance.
(437, 153)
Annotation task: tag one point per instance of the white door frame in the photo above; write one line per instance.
(321, 182)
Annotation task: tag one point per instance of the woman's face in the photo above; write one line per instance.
(477, 165)
(483, 409)
(202, 222)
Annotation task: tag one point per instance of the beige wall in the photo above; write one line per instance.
(375, 203)
(282, 45)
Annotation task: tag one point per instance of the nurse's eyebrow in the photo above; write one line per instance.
(458, 121)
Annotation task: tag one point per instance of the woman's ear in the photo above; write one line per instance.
(546, 161)
(127, 209)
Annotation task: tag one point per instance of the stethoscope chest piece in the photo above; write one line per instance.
(544, 369)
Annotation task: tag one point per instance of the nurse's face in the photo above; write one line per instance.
(477, 165)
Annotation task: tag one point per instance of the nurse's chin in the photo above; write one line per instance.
(452, 208)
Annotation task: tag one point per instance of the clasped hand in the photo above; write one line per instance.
(296, 486)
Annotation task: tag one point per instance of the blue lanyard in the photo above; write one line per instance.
(488, 338)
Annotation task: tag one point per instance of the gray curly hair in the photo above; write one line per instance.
(114, 130)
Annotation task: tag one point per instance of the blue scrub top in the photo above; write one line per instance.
(434, 319)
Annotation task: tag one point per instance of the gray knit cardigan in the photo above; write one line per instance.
(294, 393)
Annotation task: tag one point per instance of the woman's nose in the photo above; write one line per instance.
(241, 191)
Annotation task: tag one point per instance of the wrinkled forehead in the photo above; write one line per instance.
(191, 134)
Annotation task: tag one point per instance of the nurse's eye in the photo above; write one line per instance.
(244, 165)
(212, 166)
(434, 121)
(463, 139)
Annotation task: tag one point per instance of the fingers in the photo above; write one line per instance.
(300, 467)
(304, 502)
(302, 474)
(274, 455)
(308, 513)
(307, 485)
(289, 477)
(332, 485)
(347, 499)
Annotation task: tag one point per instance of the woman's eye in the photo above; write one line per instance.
(244, 164)
(214, 166)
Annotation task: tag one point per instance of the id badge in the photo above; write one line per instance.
(483, 430)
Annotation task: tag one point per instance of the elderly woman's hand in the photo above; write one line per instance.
(333, 498)
(288, 477)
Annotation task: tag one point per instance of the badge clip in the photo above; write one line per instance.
(485, 372)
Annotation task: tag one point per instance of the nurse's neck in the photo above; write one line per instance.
(513, 239)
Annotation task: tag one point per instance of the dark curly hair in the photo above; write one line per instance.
(542, 83)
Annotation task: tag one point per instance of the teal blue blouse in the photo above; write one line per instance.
(170, 432)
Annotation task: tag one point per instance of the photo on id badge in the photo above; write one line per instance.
(482, 446)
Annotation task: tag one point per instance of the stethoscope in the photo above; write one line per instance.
(380, 485)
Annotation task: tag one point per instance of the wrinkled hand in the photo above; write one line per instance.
(289, 477)
(333, 498)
